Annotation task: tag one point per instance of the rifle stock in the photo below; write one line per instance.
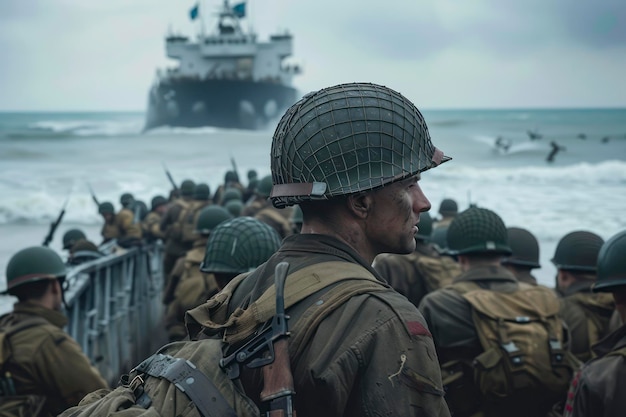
(93, 195)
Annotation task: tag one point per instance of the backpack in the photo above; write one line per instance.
(183, 379)
(598, 309)
(11, 404)
(524, 367)
(438, 272)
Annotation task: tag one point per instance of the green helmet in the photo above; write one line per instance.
(209, 217)
(234, 207)
(524, 246)
(187, 187)
(264, 187)
(201, 192)
(448, 207)
(34, 264)
(477, 231)
(252, 174)
(239, 245)
(424, 227)
(105, 208)
(126, 200)
(346, 139)
(72, 236)
(231, 176)
(158, 201)
(439, 237)
(231, 194)
(578, 251)
(612, 264)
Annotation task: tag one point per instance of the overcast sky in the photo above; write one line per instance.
(102, 55)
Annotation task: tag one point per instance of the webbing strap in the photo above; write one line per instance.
(190, 381)
(299, 285)
(15, 328)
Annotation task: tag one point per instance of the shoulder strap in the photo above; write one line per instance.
(618, 352)
(299, 285)
(8, 331)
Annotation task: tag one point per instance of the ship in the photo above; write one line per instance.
(227, 78)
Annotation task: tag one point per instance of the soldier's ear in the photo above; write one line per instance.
(359, 204)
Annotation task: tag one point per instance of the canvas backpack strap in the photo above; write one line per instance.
(9, 330)
(298, 286)
(188, 379)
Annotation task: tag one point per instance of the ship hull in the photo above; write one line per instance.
(238, 104)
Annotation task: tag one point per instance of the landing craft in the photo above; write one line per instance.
(226, 79)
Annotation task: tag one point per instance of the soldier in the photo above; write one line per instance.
(234, 207)
(524, 254)
(598, 389)
(189, 216)
(231, 194)
(421, 272)
(171, 230)
(151, 225)
(83, 251)
(587, 314)
(188, 287)
(231, 180)
(72, 236)
(127, 200)
(487, 322)
(42, 359)
(260, 198)
(253, 180)
(237, 246)
(128, 225)
(109, 230)
(269, 214)
(371, 353)
(448, 210)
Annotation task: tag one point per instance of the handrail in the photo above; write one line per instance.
(114, 308)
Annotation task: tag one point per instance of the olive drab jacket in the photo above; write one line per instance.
(191, 288)
(109, 231)
(597, 390)
(587, 316)
(418, 273)
(171, 228)
(47, 361)
(151, 227)
(125, 221)
(371, 355)
(275, 218)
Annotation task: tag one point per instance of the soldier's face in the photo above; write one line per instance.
(392, 223)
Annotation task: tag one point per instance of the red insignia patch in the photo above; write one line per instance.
(417, 329)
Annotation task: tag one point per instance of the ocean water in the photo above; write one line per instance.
(48, 158)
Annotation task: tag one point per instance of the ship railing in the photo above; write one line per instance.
(114, 308)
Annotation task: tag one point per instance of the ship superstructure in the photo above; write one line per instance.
(226, 78)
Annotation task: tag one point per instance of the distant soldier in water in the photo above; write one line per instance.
(188, 287)
(556, 148)
(525, 255)
(448, 210)
(586, 314)
(39, 358)
(502, 144)
(534, 134)
(170, 227)
(421, 272)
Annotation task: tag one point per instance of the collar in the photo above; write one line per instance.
(27, 308)
(613, 341)
(580, 286)
(487, 273)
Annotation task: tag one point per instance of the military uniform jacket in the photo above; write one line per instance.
(449, 315)
(152, 227)
(586, 325)
(47, 361)
(126, 224)
(274, 218)
(403, 273)
(171, 228)
(372, 356)
(598, 389)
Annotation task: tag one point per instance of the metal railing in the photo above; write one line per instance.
(114, 308)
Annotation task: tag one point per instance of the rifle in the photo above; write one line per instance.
(93, 195)
(169, 177)
(278, 390)
(55, 224)
(234, 165)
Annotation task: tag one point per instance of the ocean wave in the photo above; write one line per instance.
(110, 127)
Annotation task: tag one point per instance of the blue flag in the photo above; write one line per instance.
(193, 13)
(239, 9)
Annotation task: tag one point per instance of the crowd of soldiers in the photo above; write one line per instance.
(391, 311)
